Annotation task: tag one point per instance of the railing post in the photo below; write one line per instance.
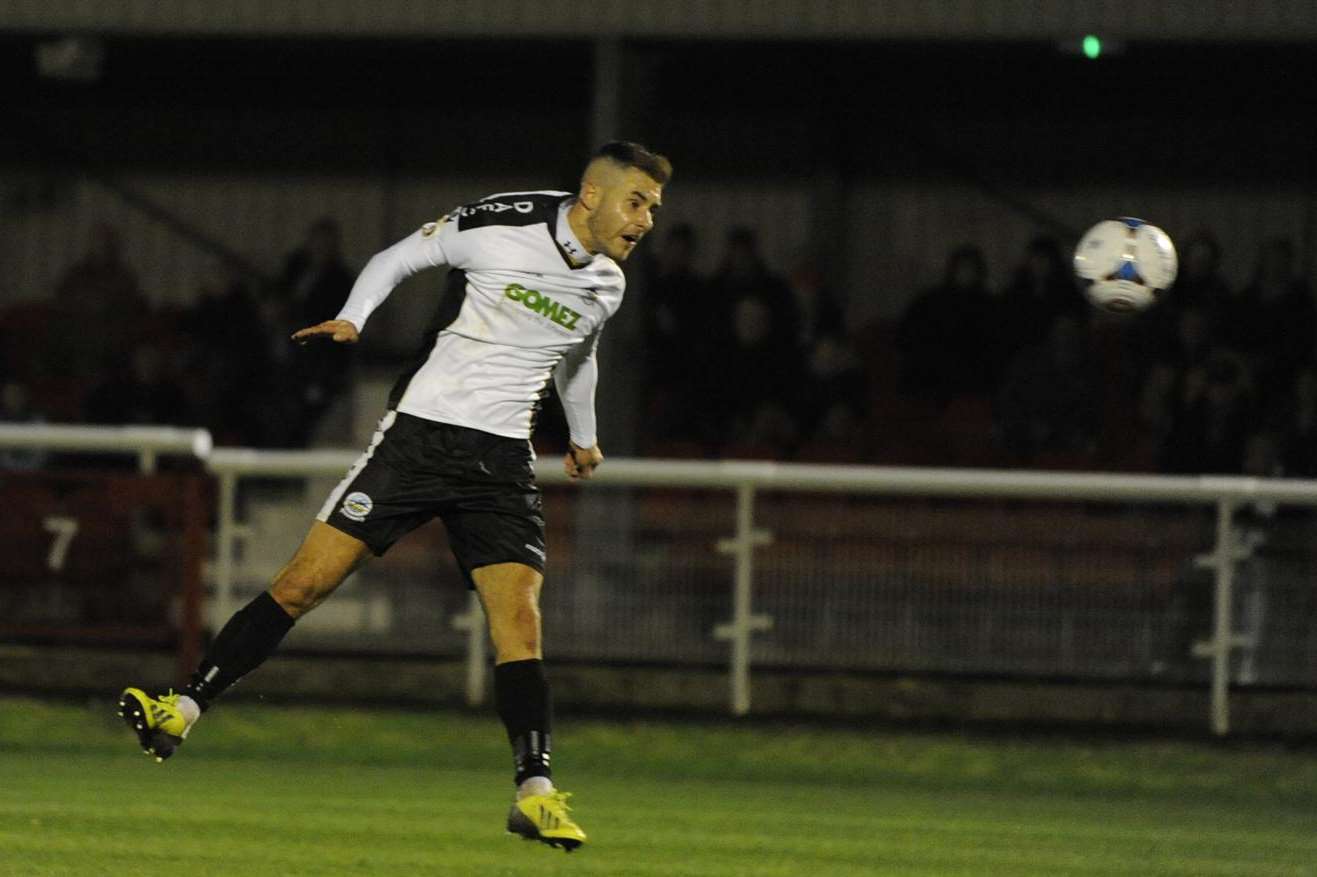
(473, 622)
(191, 559)
(1222, 561)
(743, 623)
(146, 461)
(224, 543)
(1225, 599)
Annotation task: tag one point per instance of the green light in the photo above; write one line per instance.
(1092, 47)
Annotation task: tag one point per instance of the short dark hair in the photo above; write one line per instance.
(629, 154)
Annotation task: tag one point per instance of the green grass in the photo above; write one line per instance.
(265, 790)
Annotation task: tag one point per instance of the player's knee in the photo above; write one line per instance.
(525, 630)
(297, 591)
(325, 558)
(516, 634)
(517, 649)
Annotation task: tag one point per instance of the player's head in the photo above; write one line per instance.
(621, 188)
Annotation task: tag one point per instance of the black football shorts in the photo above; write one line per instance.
(481, 485)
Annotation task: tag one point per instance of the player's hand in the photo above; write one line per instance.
(581, 462)
(341, 331)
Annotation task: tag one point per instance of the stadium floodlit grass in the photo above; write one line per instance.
(279, 790)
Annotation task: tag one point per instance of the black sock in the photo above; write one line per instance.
(521, 694)
(251, 636)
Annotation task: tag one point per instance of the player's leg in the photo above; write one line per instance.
(371, 508)
(324, 559)
(494, 515)
(510, 594)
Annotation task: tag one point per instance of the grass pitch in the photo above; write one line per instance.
(264, 790)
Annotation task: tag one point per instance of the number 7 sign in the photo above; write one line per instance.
(63, 529)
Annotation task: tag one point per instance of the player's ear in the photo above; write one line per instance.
(589, 194)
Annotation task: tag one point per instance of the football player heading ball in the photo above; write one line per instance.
(537, 277)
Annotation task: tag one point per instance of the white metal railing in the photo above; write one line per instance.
(144, 442)
(1227, 494)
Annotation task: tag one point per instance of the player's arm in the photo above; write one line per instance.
(576, 378)
(382, 274)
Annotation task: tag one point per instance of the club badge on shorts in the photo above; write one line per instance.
(356, 506)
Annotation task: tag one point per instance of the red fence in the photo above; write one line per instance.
(95, 558)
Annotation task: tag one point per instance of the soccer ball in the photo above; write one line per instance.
(1124, 264)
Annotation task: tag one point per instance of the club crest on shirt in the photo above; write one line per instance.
(356, 506)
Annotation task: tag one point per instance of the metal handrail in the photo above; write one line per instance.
(890, 480)
(146, 442)
(1226, 493)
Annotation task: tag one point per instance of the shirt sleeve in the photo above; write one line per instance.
(576, 377)
(424, 248)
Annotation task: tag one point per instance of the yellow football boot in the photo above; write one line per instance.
(545, 818)
(159, 725)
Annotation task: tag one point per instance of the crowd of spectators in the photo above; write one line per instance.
(1209, 379)
(746, 362)
(98, 352)
(1023, 372)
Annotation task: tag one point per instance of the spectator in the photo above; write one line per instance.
(944, 334)
(225, 315)
(1199, 283)
(744, 275)
(821, 316)
(1290, 319)
(100, 290)
(835, 390)
(1042, 290)
(751, 333)
(1187, 350)
(229, 357)
(101, 282)
(1297, 420)
(315, 277)
(677, 330)
(139, 391)
(1213, 415)
(1270, 321)
(1051, 397)
(280, 396)
(1263, 457)
(316, 281)
(757, 394)
(1197, 286)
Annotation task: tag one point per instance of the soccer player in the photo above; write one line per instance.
(538, 274)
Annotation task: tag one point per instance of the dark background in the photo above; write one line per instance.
(1194, 112)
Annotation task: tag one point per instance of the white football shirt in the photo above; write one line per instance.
(534, 304)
